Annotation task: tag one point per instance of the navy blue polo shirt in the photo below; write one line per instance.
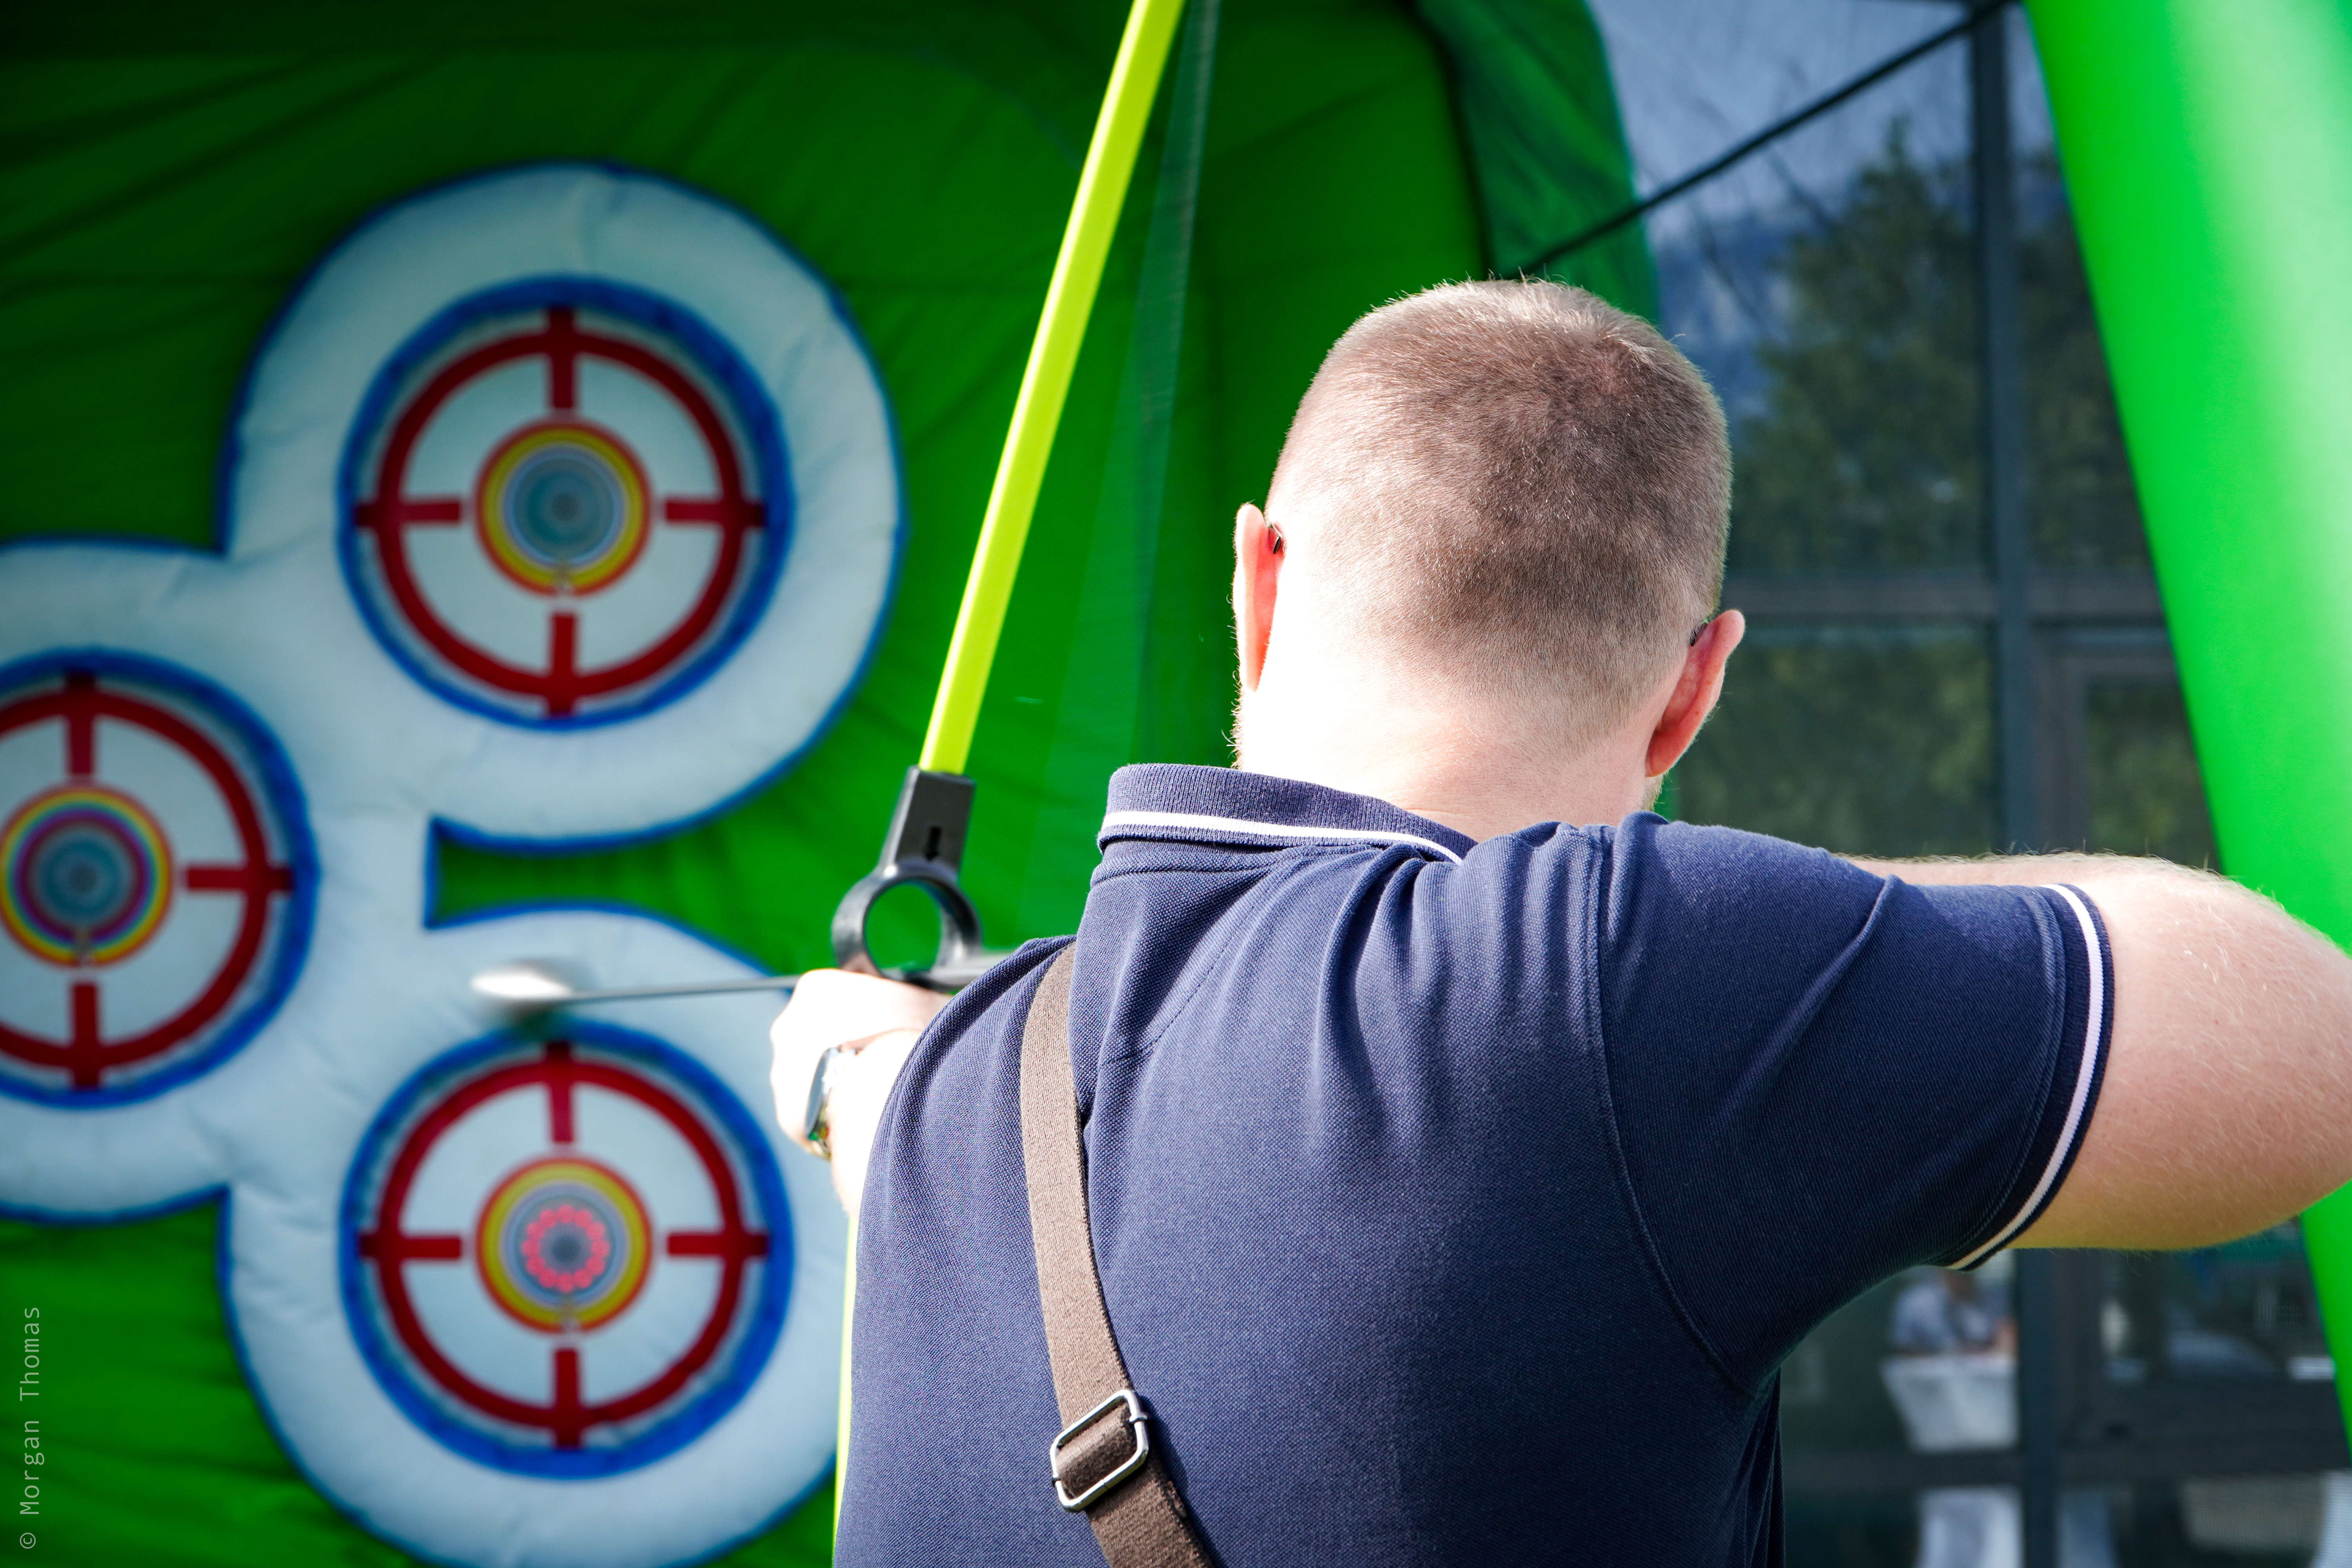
(1455, 1204)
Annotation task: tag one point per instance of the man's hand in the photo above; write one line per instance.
(874, 1024)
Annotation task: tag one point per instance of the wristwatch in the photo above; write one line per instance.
(815, 1128)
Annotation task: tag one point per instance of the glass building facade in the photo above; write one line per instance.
(1957, 646)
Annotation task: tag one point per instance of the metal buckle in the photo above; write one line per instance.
(1136, 1418)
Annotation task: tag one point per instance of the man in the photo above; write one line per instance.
(1459, 1175)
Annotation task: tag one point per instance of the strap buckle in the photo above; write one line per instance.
(1135, 1425)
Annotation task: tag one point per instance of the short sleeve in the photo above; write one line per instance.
(1820, 1077)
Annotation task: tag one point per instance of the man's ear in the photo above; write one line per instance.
(1695, 691)
(1258, 566)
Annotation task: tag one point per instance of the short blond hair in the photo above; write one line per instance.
(1518, 484)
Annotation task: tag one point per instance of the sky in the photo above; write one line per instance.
(1695, 77)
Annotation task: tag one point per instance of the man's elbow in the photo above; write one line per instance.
(2229, 1071)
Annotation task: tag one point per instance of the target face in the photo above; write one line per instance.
(566, 1257)
(565, 501)
(155, 877)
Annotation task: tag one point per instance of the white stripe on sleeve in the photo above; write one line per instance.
(2085, 1071)
(1268, 829)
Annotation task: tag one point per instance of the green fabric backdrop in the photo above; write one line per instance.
(167, 173)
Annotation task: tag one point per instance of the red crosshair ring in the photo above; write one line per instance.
(563, 684)
(88, 1055)
(566, 1418)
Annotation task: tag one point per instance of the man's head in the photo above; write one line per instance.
(1507, 498)
(1516, 487)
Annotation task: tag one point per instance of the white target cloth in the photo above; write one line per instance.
(505, 1457)
(562, 507)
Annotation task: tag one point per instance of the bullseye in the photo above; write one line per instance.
(89, 875)
(562, 507)
(562, 1244)
(565, 1248)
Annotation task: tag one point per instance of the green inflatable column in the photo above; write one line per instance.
(2207, 150)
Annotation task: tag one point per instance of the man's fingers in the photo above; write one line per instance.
(842, 1006)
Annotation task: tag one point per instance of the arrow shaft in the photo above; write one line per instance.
(691, 988)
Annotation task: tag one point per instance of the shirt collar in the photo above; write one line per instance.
(1225, 805)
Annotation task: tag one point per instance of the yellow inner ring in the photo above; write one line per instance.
(158, 856)
(497, 530)
(524, 1185)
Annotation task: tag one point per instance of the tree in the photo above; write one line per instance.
(1857, 437)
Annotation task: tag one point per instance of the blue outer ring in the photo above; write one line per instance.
(763, 1328)
(713, 355)
(283, 794)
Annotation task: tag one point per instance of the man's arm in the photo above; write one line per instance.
(2227, 1102)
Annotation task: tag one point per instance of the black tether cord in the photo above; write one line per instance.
(1771, 133)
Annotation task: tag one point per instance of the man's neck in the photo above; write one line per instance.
(1440, 757)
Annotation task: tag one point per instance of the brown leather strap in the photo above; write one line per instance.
(1139, 1522)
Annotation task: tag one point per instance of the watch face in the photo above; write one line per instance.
(816, 1125)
